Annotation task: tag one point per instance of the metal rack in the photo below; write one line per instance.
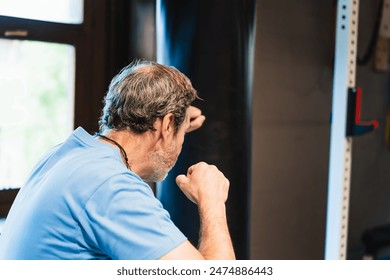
(340, 144)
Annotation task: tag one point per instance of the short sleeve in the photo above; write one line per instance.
(123, 220)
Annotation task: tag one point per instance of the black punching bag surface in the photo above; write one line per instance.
(212, 42)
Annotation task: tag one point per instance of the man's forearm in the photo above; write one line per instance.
(215, 242)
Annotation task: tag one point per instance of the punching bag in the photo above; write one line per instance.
(212, 42)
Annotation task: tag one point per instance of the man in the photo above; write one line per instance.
(87, 198)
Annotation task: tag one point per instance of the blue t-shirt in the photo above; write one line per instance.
(81, 202)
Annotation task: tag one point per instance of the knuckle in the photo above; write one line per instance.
(214, 168)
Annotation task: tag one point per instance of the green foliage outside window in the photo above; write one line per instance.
(36, 107)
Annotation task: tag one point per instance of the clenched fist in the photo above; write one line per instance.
(204, 185)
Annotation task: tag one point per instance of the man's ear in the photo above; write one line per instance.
(168, 125)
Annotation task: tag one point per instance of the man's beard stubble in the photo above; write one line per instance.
(162, 164)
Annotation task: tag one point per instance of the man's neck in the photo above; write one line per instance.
(136, 147)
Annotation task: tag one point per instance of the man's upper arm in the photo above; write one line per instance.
(185, 251)
(128, 222)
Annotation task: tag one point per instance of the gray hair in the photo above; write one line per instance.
(142, 92)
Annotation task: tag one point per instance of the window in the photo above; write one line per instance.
(38, 42)
(57, 58)
(36, 108)
(65, 11)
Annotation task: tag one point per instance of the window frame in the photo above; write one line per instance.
(90, 40)
(104, 43)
